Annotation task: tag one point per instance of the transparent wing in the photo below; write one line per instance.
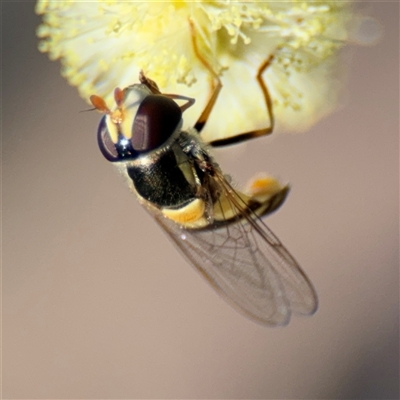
(248, 265)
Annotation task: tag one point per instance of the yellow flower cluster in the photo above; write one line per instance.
(104, 44)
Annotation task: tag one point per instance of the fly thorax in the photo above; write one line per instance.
(164, 177)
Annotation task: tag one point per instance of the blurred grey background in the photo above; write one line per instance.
(98, 304)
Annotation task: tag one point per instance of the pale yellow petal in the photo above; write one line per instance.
(104, 44)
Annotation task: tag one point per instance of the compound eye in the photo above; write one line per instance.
(107, 146)
(156, 120)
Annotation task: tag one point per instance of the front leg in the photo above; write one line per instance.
(216, 87)
(268, 102)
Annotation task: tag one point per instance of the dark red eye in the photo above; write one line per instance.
(155, 121)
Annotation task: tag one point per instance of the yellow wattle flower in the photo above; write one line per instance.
(104, 44)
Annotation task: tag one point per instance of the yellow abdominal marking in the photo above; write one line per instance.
(264, 186)
(188, 214)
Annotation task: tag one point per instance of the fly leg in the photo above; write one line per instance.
(216, 84)
(155, 90)
(268, 102)
(215, 90)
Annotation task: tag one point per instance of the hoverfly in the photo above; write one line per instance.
(217, 228)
